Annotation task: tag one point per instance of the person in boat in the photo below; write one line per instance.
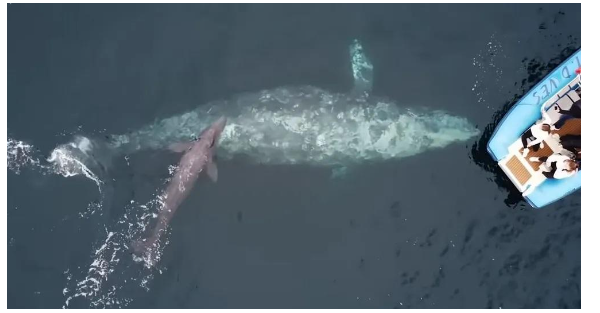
(556, 166)
(537, 133)
(573, 112)
(571, 145)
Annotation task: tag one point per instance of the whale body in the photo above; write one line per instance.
(307, 125)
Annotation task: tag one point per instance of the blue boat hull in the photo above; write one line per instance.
(524, 114)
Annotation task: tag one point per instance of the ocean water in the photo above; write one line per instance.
(440, 229)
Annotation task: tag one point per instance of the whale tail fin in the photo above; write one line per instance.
(89, 158)
(83, 156)
(362, 69)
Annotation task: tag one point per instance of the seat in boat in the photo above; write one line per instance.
(573, 95)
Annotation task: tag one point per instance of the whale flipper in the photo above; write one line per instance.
(338, 172)
(362, 69)
(211, 170)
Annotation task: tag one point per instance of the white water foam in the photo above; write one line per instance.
(114, 271)
(62, 161)
(112, 268)
(21, 154)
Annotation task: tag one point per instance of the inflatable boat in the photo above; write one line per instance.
(557, 92)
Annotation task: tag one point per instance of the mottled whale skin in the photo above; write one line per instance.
(308, 125)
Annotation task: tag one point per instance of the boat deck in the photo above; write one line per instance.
(518, 170)
(571, 127)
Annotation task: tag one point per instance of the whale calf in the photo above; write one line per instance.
(307, 125)
(197, 158)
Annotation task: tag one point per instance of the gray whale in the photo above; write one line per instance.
(307, 125)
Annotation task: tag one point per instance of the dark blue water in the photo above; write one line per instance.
(443, 229)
